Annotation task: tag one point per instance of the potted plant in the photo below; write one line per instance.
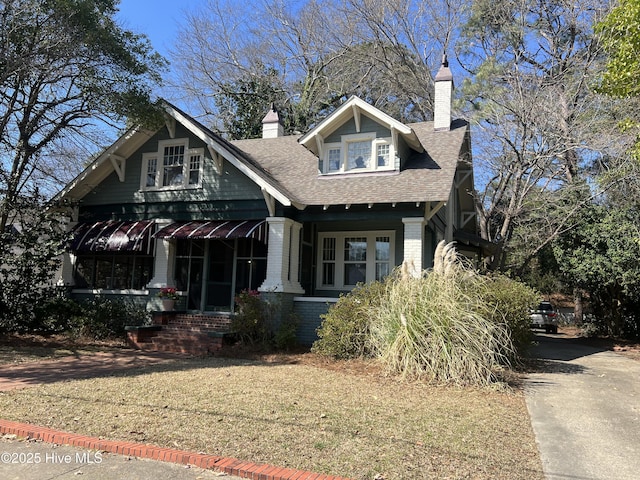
(168, 295)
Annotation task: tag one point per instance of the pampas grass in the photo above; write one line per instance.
(437, 327)
(448, 325)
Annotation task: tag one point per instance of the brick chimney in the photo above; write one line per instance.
(442, 99)
(271, 125)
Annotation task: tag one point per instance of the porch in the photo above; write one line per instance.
(201, 334)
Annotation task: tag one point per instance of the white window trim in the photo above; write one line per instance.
(344, 148)
(339, 254)
(188, 153)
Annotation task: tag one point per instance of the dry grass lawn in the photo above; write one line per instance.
(16, 349)
(297, 411)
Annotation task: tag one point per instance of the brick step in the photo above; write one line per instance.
(195, 323)
(213, 322)
(191, 340)
(175, 339)
(194, 343)
(193, 350)
(188, 329)
(191, 335)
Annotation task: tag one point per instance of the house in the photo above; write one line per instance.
(299, 218)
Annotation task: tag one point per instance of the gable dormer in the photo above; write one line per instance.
(359, 138)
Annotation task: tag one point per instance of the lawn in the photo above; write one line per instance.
(16, 349)
(298, 411)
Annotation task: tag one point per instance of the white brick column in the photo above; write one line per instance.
(414, 244)
(282, 257)
(163, 262)
(64, 275)
(294, 255)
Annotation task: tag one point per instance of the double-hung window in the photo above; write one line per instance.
(357, 153)
(173, 166)
(349, 258)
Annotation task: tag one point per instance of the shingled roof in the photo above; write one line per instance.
(426, 176)
(287, 170)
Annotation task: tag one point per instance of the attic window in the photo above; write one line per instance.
(357, 153)
(173, 166)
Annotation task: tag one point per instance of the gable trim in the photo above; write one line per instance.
(97, 171)
(355, 106)
(212, 144)
(119, 165)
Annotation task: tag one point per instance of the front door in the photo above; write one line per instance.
(190, 257)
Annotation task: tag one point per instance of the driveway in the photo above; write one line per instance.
(584, 404)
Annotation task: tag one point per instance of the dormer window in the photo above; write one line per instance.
(357, 153)
(357, 137)
(173, 166)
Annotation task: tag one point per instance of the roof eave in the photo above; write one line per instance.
(103, 158)
(339, 116)
(229, 156)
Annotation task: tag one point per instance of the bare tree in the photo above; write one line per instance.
(385, 51)
(537, 116)
(63, 64)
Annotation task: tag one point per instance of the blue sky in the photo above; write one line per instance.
(160, 20)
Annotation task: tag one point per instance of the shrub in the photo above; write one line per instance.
(435, 329)
(29, 258)
(445, 326)
(510, 302)
(251, 321)
(285, 337)
(55, 314)
(102, 318)
(99, 318)
(345, 329)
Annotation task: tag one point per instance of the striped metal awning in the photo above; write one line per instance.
(216, 229)
(113, 236)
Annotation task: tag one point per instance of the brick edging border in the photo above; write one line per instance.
(230, 466)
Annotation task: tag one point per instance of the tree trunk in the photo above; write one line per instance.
(578, 306)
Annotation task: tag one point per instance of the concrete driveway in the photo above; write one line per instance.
(584, 404)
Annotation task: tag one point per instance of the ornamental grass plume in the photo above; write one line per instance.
(437, 326)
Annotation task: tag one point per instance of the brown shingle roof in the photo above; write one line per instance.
(426, 177)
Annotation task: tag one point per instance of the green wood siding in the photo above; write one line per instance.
(206, 210)
(404, 152)
(230, 186)
(366, 125)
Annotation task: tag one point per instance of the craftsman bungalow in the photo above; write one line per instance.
(300, 218)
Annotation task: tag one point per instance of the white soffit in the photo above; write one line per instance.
(351, 109)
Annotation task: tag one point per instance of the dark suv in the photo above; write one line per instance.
(545, 317)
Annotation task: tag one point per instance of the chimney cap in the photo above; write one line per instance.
(272, 127)
(444, 74)
(272, 115)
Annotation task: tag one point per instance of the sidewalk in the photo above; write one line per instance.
(22, 460)
(73, 367)
(153, 463)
